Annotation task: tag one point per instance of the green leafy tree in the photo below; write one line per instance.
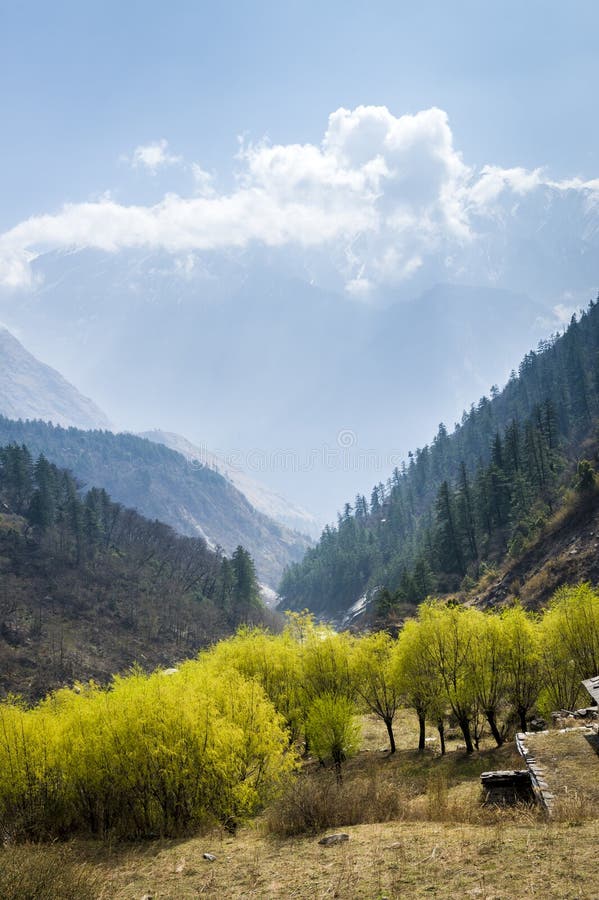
(373, 675)
(569, 645)
(448, 634)
(245, 593)
(522, 661)
(489, 671)
(417, 679)
(586, 478)
(332, 729)
(326, 664)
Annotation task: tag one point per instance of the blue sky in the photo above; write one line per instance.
(83, 83)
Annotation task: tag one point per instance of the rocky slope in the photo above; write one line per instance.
(29, 389)
(567, 552)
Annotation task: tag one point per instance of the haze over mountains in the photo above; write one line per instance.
(264, 500)
(270, 310)
(269, 371)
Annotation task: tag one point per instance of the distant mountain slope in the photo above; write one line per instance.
(30, 389)
(261, 497)
(89, 587)
(162, 484)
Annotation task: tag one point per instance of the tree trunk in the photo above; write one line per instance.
(441, 730)
(490, 716)
(522, 717)
(465, 729)
(389, 724)
(422, 731)
(338, 772)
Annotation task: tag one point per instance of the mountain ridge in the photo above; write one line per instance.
(91, 587)
(30, 389)
(161, 484)
(240, 355)
(33, 392)
(260, 496)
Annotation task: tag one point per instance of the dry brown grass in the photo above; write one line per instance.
(394, 860)
(316, 801)
(36, 872)
(570, 763)
(547, 579)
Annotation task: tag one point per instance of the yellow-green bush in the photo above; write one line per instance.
(272, 660)
(332, 729)
(570, 646)
(158, 754)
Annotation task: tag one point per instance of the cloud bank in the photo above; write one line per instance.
(382, 194)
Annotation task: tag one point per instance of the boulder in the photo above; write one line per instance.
(334, 839)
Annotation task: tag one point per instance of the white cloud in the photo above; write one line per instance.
(563, 313)
(359, 287)
(15, 269)
(203, 180)
(380, 196)
(494, 181)
(153, 156)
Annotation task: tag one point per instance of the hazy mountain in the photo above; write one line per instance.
(161, 484)
(31, 390)
(315, 393)
(261, 497)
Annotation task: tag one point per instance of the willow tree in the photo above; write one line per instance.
(376, 686)
(447, 637)
(332, 730)
(522, 661)
(569, 644)
(488, 666)
(417, 680)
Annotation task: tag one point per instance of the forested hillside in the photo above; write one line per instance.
(469, 498)
(161, 484)
(88, 587)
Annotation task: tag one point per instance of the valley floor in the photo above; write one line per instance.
(439, 841)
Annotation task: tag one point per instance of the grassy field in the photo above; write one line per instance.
(503, 860)
(420, 831)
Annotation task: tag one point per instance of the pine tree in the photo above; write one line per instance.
(451, 555)
(246, 595)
